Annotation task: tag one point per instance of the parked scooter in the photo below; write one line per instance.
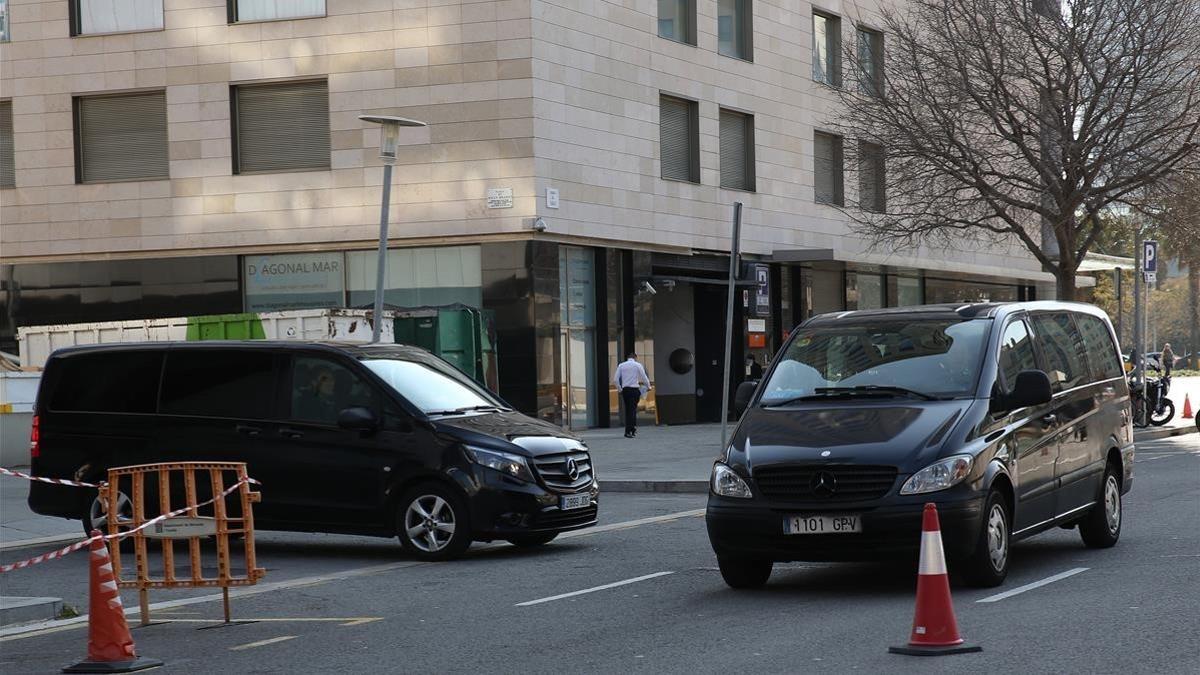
(1153, 408)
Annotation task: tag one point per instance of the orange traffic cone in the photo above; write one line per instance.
(110, 646)
(1187, 408)
(934, 630)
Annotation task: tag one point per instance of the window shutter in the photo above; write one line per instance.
(123, 138)
(871, 177)
(675, 129)
(7, 172)
(827, 167)
(737, 156)
(282, 127)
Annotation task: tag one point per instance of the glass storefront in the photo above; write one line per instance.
(295, 281)
(417, 277)
(961, 290)
(577, 311)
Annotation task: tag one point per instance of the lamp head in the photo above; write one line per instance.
(390, 136)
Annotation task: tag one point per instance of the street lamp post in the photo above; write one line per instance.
(389, 139)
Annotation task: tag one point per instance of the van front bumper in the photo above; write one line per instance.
(502, 508)
(756, 531)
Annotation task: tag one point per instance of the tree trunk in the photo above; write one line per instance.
(1064, 283)
(1194, 312)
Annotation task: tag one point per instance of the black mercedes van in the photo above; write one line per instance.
(362, 439)
(1012, 418)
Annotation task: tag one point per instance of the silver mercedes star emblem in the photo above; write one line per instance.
(572, 468)
(823, 484)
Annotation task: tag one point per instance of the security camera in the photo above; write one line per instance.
(648, 288)
(669, 284)
(539, 224)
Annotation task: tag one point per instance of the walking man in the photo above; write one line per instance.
(1168, 359)
(629, 379)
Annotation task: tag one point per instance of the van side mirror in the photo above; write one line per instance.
(745, 393)
(1031, 388)
(359, 418)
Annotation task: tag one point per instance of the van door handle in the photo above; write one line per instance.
(288, 432)
(248, 430)
(1049, 420)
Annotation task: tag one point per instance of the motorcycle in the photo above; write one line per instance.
(1150, 403)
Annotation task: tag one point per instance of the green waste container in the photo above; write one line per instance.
(464, 336)
(225, 327)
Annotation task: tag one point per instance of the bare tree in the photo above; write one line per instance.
(1023, 119)
(1175, 209)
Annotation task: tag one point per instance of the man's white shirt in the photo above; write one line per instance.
(630, 373)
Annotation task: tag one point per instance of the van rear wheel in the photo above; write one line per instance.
(95, 513)
(1101, 527)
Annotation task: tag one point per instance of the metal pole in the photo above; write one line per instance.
(733, 263)
(1137, 314)
(1120, 304)
(381, 265)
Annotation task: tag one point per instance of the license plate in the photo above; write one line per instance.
(821, 524)
(569, 502)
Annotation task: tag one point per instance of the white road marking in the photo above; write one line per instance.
(1037, 584)
(593, 589)
(261, 643)
(31, 630)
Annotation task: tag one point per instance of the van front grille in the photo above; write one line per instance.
(828, 483)
(556, 470)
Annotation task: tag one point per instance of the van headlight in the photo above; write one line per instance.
(510, 465)
(939, 475)
(726, 483)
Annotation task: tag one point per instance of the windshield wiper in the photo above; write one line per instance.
(469, 408)
(876, 389)
(861, 390)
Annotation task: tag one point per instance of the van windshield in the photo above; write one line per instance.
(922, 358)
(435, 389)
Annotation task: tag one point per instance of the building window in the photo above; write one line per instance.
(120, 138)
(737, 150)
(90, 17)
(677, 20)
(272, 10)
(7, 173)
(280, 127)
(827, 165)
(827, 49)
(679, 138)
(734, 30)
(4, 36)
(870, 62)
(872, 190)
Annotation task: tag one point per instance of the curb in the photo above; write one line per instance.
(669, 486)
(1158, 434)
(39, 541)
(14, 610)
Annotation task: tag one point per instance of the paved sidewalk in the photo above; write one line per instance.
(21, 527)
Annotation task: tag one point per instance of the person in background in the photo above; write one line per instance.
(753, 370)
(1168, 359)
(632, 382)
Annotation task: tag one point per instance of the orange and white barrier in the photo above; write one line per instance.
(934, 628)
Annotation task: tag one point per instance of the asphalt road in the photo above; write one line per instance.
(354, 604)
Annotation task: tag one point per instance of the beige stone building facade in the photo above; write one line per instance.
(545, 189)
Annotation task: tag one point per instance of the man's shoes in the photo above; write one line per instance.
(628, 435)
(635, 433)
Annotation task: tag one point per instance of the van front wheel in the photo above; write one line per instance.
(988, 565)
(432, 523)
(744, 572)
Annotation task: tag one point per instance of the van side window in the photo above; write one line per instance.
(321, 389)
(1065, 363)
(110, 382)
(1101, 353)
(1016, 353)
(219, 383)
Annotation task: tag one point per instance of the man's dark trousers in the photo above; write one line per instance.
(630, 397)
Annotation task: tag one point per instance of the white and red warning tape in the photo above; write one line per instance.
(42, 479)
(120, 535)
